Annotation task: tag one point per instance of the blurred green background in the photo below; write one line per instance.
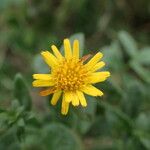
(120, 120)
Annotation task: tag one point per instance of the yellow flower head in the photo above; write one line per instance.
(70, 77)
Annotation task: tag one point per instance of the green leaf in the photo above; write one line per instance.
(145, 141)
(86, 115)
(100, 126)
(31, 137)
(143, 137)
(9, 141)
(2, 110)
(7, 3)
(3, 123)
(21, 122)
(121, 115)
(113, 90)
(2, 57)
(21, 92)
(57, 136)
(14, 113)
(39, 65)
(141, 71)
(143, 56)
(131, 103)
(32, 119)
(142, 122)
(90, 110)
(113, 56)
(20, 129)
(128, 43)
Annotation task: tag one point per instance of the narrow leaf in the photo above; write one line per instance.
(21, 92)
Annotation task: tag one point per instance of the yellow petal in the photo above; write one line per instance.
(67, 48)
(64, 107)
(47, 91)
(82, 98)
(49, 58)
(94, 60)
(76, 49)
(98, 66)
(42, 83)
(56, 97)
(75, 100)
(91, 90)
(98, 77)
(42, 76)
(68, 96)
(56, 52)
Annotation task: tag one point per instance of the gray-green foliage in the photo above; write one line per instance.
(138, 57)
(51, 136)
(121, 117)
(117, 121)
(21, 92)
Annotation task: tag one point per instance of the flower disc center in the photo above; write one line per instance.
(70, 75)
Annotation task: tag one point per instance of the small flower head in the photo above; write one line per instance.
(70, 76)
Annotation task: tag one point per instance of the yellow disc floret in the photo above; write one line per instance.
(70, 75)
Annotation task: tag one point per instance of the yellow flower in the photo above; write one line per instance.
(70, 76)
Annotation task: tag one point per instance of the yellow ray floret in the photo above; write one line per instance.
(94, 60)
(70, 76)
(56, 97)
(42, 83)
(49, 58)
(91, 90)
(65, 107)
(75, 100)
(98, 66)
(56, 52)
(98, 77)
(67, 48)
(42, 76)
(81, 98)
(76, 49)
